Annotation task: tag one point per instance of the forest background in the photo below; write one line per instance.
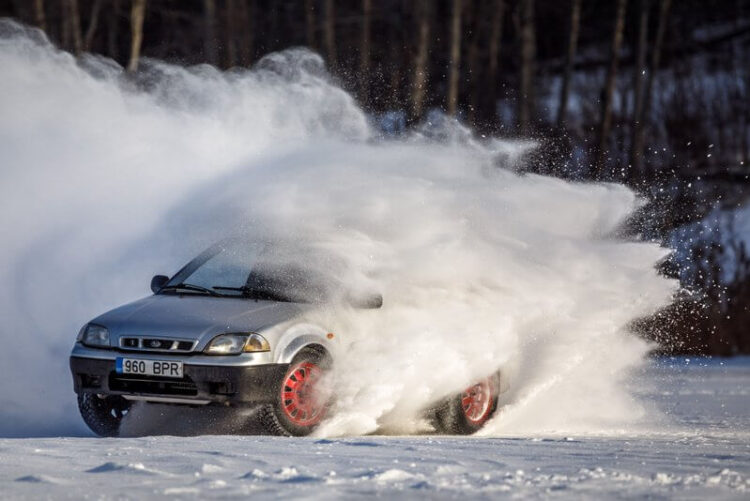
(654, 94)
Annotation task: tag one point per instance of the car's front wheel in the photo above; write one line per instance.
(469, 411)
(103, 414)
(301, 399)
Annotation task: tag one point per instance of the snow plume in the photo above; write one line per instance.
(108, 179)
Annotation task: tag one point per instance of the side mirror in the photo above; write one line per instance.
(158, 282)
(368, 301)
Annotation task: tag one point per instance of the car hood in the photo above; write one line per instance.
(193, 317)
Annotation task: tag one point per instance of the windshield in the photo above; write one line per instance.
(237, 268)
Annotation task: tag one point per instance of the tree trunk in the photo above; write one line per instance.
(495, 44)
(330, 33)
(656, 53)
(75, 19)
(605, 124)
(639, 69)
(639, 138)
(64, 25)
(528, 55)
(137, 13)
(40, 19)
(397, 63)
(113, 30)
(310, 22)
(272, 37)
(455, 57)
(93, 24)
(230, 33)
(71, 26)
(246, 16)
(570, 56)
(474, 21)
(364, 52)
(210, 51)
(419, 83)
(746, 121)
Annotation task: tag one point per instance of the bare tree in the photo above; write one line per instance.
(71, 26)
(137, 13)
(230, 32)
(475, 23)
(40, 19)
(113, 30)
(75, 20)
(421, 60)
(245, 20)
(745, 136)
(310, 22)
(364, 51)
(605, 123)
(210, 50)
(495, 43)
(271, 28)
(93, 24)
(570, 55)
(528, 56)
(455, 57)
(330, 33)
(656, 52)
(397, 64)
(638, 136)
(639, 69)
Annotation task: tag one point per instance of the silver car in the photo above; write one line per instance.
(227, 330)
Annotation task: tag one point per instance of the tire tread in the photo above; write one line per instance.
(100, 422)
(268, 414)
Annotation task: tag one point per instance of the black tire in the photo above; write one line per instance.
(273, 417)
(103, 415)
(451, 418)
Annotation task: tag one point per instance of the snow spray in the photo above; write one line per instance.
(108, 179)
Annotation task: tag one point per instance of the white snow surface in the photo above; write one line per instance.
(704, 453)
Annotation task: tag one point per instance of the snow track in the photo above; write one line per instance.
(442, 467)
(704, 453)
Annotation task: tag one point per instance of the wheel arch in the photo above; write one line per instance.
(301, 337)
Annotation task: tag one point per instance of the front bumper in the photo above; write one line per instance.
(201, 384)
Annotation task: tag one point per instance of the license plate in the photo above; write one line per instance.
(161, 368)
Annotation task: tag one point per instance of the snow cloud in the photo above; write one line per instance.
(109, 179)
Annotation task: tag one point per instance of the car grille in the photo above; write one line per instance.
(138, 343)
(153, 386)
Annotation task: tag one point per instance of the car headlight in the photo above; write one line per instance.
(94, 335)
(256, 342)
(234, 344)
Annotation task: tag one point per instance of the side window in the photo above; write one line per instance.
(290, 281)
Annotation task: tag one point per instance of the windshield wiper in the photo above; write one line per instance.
(251, 293)
(190, 287)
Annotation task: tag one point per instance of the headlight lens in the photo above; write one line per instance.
(233, 344)
(255, 343)
(226, 344)
(94, 335)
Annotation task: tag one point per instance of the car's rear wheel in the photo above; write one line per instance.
(469, 411)
(301, 400)
(103, 414)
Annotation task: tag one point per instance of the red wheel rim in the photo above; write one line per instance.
(301, 401)
(477, 400)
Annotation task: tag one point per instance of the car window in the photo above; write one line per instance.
(283, 273)
(230, 267)
(288, 280)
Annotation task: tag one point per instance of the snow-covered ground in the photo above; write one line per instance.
(704, 453)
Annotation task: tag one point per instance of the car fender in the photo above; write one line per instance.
(298, 337)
